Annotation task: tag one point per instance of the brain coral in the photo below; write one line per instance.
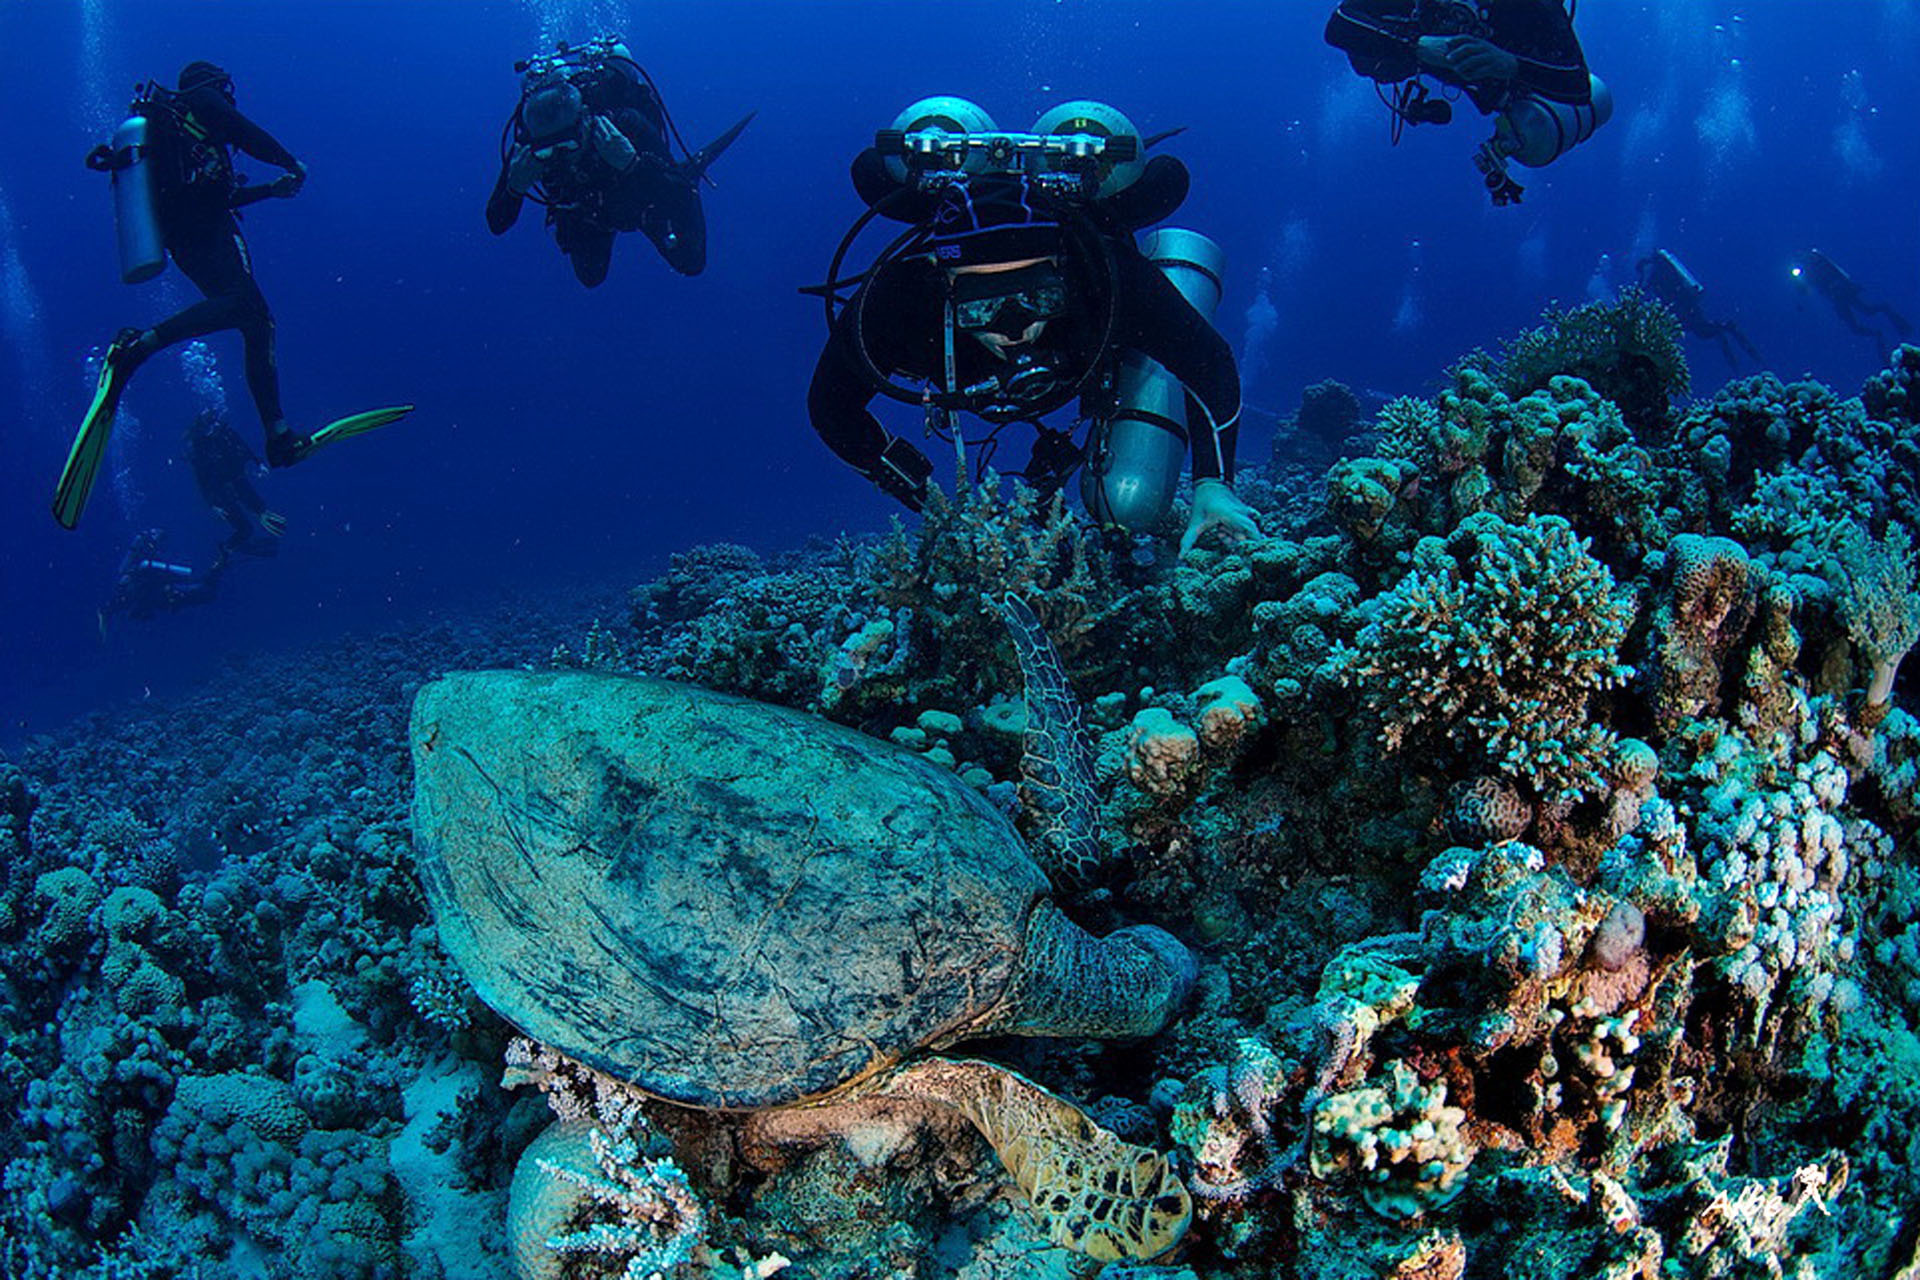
(1492, 648)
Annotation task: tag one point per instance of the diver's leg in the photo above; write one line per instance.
(588, 247)
(215, 261)
(1726, 348)
(677, 224)
(222, 269)
(1894, 317)
(1843, 307)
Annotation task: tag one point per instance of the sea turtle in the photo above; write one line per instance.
(733, 905)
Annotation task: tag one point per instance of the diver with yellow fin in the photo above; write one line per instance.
(176, 194)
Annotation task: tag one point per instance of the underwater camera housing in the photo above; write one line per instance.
(1079, 147)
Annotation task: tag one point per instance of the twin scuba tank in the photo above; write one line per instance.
(1135, 456)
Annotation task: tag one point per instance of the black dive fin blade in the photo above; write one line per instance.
(695, 166)
(1162, 136)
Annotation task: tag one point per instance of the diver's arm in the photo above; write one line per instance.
(837, 405)
(1378, 37)
(614, 148)
(226, 125)
(252, 194)
(503, 205)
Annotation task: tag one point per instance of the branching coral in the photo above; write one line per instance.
(1492, 649)
(988, 539)
(586, 1186)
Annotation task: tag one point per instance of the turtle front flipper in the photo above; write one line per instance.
(1056, 765)
(1096, 1193)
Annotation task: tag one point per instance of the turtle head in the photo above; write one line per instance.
(1172, 973)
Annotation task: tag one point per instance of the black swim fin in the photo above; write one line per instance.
(694, 167)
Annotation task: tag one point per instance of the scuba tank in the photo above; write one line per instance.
(1135, 457)
(136, 219)
(1536, 131)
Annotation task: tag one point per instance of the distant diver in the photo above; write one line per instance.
(175, 194)
(148, 586)
(223, 470)
(1815, 270)
(1665, 277)
(1017, 288)
(1518, 60)
(592, 141)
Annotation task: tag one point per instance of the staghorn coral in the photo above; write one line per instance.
(1491, 650)
(587, 1186)
(992, 540)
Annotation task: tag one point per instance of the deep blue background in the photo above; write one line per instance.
(566, 435)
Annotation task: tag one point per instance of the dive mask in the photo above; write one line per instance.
(1008, 302)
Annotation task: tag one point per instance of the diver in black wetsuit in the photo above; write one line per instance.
(591, 140)
(148, 586)
(223, 471)
(1518, 59)
(1815, 270)
(1665, 277)
(196, 194)
(1016, 300)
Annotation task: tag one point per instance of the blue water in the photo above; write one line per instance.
(568, 435)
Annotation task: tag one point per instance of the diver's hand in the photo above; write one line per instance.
(288, 184)
(1215, 504)
(1474, 60)
(274, 523)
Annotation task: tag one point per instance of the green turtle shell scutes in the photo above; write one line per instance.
(726, 903)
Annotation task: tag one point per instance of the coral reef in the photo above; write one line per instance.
(1541, 794)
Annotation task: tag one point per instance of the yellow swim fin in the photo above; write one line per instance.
(90, 443)
(357, 424)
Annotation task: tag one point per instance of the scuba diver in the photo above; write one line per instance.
(1518, 60)
(176, 194)
(1665, 277)
(224, 470)
(591, 140)
(148, 586)
(1815, 270)
(1018, 287)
